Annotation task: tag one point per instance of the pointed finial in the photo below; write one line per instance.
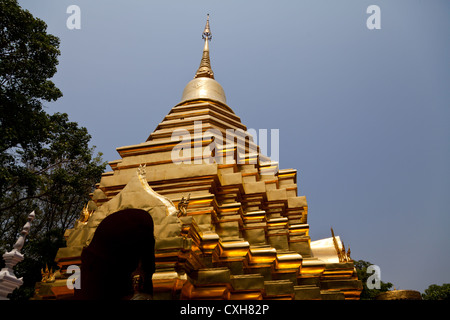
(207, 32)
(205, 64)
(336, 246)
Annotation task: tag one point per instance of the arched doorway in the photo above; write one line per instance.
(123, 241)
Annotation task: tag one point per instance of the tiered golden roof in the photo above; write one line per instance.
(244, 232)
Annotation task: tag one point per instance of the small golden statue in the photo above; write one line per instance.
(85, 214)
(182, 206)
(47, 275)
(137, 278)
(141, 170)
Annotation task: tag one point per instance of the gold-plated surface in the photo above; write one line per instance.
(85, 215)
(245, 233)
(325, 250)
(399, 295)
(203, 86)
(340, 250)
(47, 275)
(288, 260)
(204, 69)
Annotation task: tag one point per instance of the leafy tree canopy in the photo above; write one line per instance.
(28, 59)
(46, 164)
(435, 292)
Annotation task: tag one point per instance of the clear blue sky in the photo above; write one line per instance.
(364, 115)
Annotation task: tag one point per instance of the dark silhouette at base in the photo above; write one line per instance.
(120, 261)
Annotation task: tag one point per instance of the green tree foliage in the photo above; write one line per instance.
(369, 294)
(28, 59)
(46, 164)
(435, 292)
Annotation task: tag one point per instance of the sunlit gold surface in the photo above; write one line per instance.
(233, 248)
(203, 88)
(288, 260)
(399, 295)
(245, 233)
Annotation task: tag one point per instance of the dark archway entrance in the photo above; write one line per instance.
(123, 241)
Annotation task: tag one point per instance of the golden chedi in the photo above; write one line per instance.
(227, 222)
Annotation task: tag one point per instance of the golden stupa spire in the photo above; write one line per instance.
(205, 64)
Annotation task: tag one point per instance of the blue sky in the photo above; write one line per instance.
(363, 114)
